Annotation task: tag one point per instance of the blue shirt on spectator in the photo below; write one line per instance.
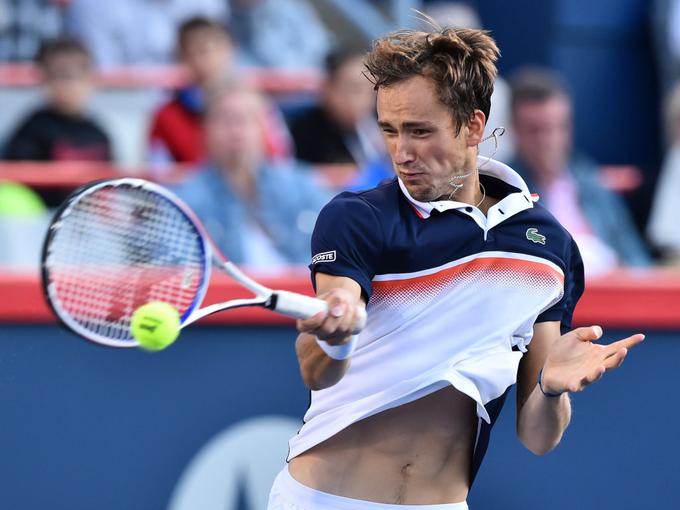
(284, 210)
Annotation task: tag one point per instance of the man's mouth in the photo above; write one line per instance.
(410, 173)
(411, 176)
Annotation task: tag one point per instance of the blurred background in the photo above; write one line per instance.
(256, 113)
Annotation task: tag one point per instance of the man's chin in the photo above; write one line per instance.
(420, 192)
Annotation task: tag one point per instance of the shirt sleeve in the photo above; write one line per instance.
(347, 241)
(563, 310)
(26, 143)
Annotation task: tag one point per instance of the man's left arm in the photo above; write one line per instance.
(568, 363)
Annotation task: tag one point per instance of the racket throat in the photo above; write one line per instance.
(272, 300)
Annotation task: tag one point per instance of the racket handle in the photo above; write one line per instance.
(304, 307)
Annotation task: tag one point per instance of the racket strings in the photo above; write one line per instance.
(117, 248)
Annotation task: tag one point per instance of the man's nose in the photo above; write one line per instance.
(403, 151)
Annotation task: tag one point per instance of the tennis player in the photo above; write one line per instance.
(470, 287)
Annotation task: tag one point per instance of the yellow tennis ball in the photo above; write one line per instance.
(155, 325)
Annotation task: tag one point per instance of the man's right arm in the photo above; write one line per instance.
(343, 296)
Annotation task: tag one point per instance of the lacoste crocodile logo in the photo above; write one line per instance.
(534, 236)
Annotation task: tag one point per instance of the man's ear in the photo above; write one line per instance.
(475, 127)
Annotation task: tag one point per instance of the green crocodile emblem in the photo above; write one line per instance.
(534, 236)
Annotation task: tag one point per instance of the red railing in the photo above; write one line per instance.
(69, 175)
(274, 81)
(72, 174)
(640, 300)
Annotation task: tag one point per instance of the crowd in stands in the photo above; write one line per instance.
(566, 179)
(253, 164)
(663, 229)
(260, 211)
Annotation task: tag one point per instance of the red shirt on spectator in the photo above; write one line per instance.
(176, 131)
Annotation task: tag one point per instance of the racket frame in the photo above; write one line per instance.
(63, 211)
(285, 302)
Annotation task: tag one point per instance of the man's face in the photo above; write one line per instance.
(349, 97)
(421, 138)
(68, 79)
(543, 134)
(233, 130)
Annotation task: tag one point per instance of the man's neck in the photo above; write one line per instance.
(465, 183)
(470, 192)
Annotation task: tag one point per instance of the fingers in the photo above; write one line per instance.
(311, 324)
(626, 343)
(615, 353)
(588, 334)
(596, 359)
(612, 362)
(337, 323)
(592, 333)
(616, 359)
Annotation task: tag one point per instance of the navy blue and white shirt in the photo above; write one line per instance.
(452, 296)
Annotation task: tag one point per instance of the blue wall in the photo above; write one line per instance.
(86, 427)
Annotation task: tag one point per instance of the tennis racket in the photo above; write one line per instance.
(115, 245)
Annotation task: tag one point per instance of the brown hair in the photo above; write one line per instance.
(460, 61)
(535, 85)
(62, 46)
(198, 23)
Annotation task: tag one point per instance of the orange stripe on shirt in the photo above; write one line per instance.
(476, 265)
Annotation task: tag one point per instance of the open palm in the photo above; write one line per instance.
(574, 361)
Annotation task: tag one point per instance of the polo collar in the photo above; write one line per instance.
(486, 166)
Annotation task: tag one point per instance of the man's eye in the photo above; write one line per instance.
(421, 132)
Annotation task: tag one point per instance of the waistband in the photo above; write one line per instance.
(311, 498)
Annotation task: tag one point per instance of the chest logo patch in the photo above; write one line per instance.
(326, 256)
(534, 236)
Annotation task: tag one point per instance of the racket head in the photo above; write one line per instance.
(115, 245)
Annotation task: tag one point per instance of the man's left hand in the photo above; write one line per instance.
(575, 361)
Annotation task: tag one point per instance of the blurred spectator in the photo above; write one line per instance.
(567, 180)
(286, 34)
(206, 50)
(342, 127)
(260, 213)
(136, 32)
(25, 24)
(463, 15)
(61, 129)
(665, 17)
(663, 228)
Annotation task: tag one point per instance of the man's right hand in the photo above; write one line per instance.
(337, 324)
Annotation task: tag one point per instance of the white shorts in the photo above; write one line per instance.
(289, 494)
